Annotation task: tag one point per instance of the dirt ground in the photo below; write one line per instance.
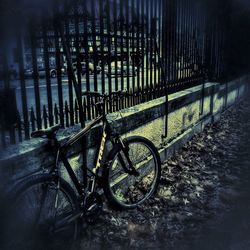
(199, 188)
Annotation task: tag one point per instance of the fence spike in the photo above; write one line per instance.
(56, 114)
(92, 105)
(76, 111)
(19, 126)
(84, 108)
(32, 119)
(45, 116)
(67, 113)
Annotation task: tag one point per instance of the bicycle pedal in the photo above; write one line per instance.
(93, 207)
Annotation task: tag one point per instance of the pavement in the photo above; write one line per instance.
(202, 202)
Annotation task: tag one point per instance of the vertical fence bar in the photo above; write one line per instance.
(2, 113)
(193, 42)
(171, 52)
(67, 113)
(122, 41)
(45, 116)
(7, 92)
(184, 32)
(166, 21)
(142, 46)
(23, 87)
(32, 119)
(115, 43)
(202, 61)
(70, 76)
(2, 125)
(86, 55)
(147, 46)
(189, 40)
(164, 44)
(178, 28)
(151, 48)
(56, 113)
(191, 77)
(128, 55)
(138, 51)
(77, 46)
(181, 40)
(217, 50)
(3, 139)
(133, 48)
(175, 45)
(47, 71)
(109, 50)
(76, 111)
(172, 49)
(102, 43)
(185, 40)
(58, 67)
(165, 41)
(160, 58)
(35, 75)
(6, 75)
(94, 53)
(154, 48)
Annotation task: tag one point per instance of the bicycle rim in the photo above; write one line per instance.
(36, 215)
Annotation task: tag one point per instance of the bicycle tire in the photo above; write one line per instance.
(34, 233)
(115, 178)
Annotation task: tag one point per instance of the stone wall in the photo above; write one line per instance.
(188, 114)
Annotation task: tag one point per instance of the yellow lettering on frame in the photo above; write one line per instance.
(101, 150)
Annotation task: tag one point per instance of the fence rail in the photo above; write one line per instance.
(146, 47)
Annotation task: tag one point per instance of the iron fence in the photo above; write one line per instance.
(146, 47)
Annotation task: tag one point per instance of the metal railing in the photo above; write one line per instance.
(146, 47)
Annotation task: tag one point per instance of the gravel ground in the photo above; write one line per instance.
(199, 189)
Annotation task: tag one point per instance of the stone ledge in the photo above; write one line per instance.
(131, 118)
(27, 156)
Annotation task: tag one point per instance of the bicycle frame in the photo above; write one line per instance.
(62, 149)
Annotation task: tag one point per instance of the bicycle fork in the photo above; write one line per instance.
(128, 168)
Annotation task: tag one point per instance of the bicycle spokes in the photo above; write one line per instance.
(42, 213)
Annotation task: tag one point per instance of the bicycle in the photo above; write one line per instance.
(130, 175)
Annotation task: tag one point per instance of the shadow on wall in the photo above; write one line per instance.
(187, 117)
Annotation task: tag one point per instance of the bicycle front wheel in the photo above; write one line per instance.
(125, 189)
(42, 214)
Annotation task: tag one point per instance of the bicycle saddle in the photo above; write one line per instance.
(49, 133)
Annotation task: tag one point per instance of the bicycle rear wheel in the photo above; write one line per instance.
(42, 215)
(127, 190)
